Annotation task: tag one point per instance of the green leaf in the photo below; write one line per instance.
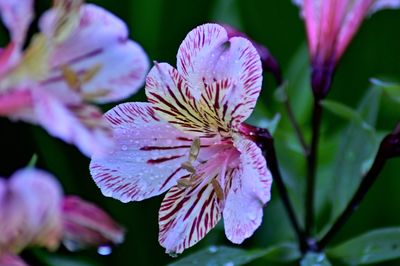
(341, 110)
(390, 89)
(33, 161)
(358, 144)
(372, 247)
(315, 259)
(228, 256)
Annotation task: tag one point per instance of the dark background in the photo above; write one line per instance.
(160, 26)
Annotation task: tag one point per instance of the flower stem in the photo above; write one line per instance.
(265, 141)
(295, 125)
(311, 167)
(389, 147)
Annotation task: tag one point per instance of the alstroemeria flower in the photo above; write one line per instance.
(331, 25)
(187, 140)
(85, 224)
(33, 212)
(30, 212)
(81, 55)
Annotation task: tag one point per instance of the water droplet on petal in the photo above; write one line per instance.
(124, 147)
(104, 250)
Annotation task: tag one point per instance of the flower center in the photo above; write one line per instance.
(195, 178)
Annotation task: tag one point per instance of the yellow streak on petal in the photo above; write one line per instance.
(67, 19)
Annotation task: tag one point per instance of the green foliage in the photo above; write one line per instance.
(228, 256)
(315, 259)
(375, 246)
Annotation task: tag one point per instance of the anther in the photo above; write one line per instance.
(218, 189)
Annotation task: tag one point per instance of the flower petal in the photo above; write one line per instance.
(207, 55)
(40, 196)
(17, 16)
(108, 65)
(250, 190)
(184, 218)
(382, 4)
(81, 125)
(147, 156)
(85, 224)
(8, 259)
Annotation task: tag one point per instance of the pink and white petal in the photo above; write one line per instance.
(17, 16)
(8, 259)
(207, 55)
(170, 97)
(40, 195)
(146, 158)
(250, 189)
(383, 4)
(79, 125)
(185, 218)
(85, 224)
(99, 48)
(14, 103)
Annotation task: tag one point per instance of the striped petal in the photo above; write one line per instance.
(207, 55)
(250, 190)
(147, 156)
(171, 98)
(184, 219)
(106, 65)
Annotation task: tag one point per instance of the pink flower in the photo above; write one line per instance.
(33, 212)
(11, 260)
(331, 25)
(87, 225)
(30, 212)
(81, 55)
(187, 140)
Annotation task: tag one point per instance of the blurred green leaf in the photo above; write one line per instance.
(32, 162)
(342, 110)
(227, 11)
(227, 256)
(390, 89)
(69, 261)
(372, 247)
(358, 145)
(315, 259)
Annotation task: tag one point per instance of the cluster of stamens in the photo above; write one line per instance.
(188, 165)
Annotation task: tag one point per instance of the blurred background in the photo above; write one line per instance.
(345, 152)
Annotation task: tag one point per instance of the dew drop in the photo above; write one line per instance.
(104, 250)
(229, 263)
(124, 147)
(213, 249)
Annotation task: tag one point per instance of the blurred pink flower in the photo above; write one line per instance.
(331, 25)
(30, 212)
(33, 212)
(87, 225)
(188, 140)
(11, 260)
(81, 55)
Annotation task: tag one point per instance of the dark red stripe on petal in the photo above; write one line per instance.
(163, 159)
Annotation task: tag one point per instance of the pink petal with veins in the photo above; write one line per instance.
(85, 225)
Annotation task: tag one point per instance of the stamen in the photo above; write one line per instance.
(189, 167)
(89, 96)
(89, 75)
(218, 189)
(184, 183)
(194, 150)
(70, 77)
